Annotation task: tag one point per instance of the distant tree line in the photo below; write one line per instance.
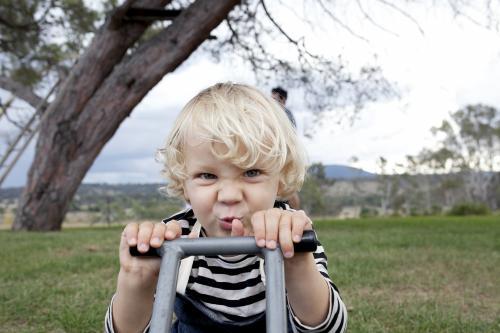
(119, 203)
(459, 175)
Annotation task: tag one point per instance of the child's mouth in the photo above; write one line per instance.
(226, 223)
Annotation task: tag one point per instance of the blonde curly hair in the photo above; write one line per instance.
(253, 128)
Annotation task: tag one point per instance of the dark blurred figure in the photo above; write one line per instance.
(281, 95)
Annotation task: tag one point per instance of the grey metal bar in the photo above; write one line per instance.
(173, 251)
(275, 291)
(214, 246)
(163, 307)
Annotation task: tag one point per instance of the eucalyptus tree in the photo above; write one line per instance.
(468, 145)
(137, 43)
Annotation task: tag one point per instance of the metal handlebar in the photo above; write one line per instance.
(173, 251)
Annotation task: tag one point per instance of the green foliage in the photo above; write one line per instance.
(317, 171)
(312, 194)
(436, 210)
(469, 208)
(469, 141)
(368, 212)
(26, 75)
(467, 149)
(41, 38)
(311, 197)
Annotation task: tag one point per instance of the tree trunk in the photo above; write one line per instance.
(100, 92)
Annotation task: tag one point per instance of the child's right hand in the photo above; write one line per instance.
(143, 236)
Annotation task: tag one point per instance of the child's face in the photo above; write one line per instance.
(219, 191)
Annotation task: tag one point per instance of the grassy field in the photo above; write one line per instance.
(395, 275)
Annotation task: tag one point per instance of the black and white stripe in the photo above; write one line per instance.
(234, 287)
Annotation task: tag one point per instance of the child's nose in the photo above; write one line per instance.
(229, 192)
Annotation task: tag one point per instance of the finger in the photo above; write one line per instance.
(173, 230)
(273, 217)
(247, 227)
(144, 236)
(300, 222)
(124, 244)
(158, 235)
(124, 253)
(309, 224)
(259, 228)
(237, 229)
(130, 233)
(285, 234)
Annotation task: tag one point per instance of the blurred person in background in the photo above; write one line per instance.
(281, 95)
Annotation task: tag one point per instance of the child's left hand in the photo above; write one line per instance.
(275, 225)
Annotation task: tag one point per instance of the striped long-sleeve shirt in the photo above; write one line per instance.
(234, 285)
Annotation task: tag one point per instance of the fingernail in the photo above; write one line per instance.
(288, 254)
(296, 238)
(156, 240)
(261, 242)
(143, 247)
(271, 244)
(132, 241)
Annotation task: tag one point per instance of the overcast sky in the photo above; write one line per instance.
(454, 62)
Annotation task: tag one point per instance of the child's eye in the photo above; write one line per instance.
(252, 173)
(206, 175)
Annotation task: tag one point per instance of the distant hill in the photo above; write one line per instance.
(93, 192)
(338, 171)
(10, 193)
(90, 192)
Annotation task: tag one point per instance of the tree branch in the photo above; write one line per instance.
(20, 91)
(107, 49)
(18, 26)
(372, 21)
(283, 32)
(402, 12)
(342, 24)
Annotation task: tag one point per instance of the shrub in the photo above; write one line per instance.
(469, 208)
(368, 212)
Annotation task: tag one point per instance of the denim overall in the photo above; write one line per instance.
(194, 317)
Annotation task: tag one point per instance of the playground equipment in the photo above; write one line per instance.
(173, 251)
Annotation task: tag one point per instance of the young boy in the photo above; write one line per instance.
(231, 155)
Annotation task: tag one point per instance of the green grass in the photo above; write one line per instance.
(57, 282)
(417, 274)
(395, 275)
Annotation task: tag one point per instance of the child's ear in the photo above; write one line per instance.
(184, 194)
(280, 188)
